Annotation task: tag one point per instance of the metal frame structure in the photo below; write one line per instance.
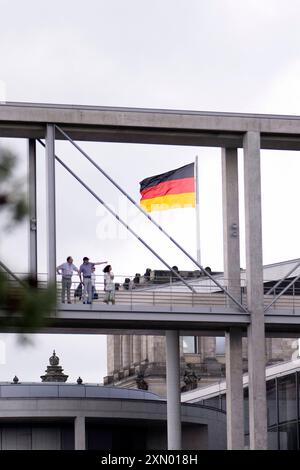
(111, 180)
(228, 131)
(121, 221)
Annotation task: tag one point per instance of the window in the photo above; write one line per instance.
(271, 403)
(288, 439)
(287, 398)
(190, 344)
(215, 402)
(220, 346)
(246, 410)
(272, 439)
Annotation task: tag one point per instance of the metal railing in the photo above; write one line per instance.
(223, 288)
(287, 298)
(131, 293)
(164, 292)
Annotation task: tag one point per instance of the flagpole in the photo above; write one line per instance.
(197, 213)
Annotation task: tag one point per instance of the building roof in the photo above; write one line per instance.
(271, 272)
(203, 393)
(64, 390)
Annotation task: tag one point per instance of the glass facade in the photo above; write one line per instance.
(36, 436)
(283, 411)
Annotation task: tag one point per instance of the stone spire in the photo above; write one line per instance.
(54, 372)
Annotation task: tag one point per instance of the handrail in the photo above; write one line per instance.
(149, 217)
(8, 271)
(283, 279)
(282, 292)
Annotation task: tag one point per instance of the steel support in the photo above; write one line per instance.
(233, 338)
(50, 195)
(32, 181)
(255, 298)
(173, 390)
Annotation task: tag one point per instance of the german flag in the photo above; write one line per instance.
(171, 190)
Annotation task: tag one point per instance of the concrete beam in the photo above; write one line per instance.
(152, 118)
(149, 125)
(122, 320)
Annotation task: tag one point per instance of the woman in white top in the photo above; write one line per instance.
(109, 285)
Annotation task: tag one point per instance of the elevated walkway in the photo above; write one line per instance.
(136, 318)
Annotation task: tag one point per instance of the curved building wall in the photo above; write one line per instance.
(67, 416)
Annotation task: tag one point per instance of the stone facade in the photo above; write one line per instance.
(136, 361)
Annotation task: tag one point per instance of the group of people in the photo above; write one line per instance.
(87, 276)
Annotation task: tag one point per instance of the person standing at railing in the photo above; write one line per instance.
(109, 285)
(66, 270)
(86, 271)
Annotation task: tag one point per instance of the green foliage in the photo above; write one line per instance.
(12, 197)
(24, 304)
(7, 164)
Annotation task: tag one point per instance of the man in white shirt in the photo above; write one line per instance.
(66, 270)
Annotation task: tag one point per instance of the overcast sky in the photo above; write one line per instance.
(209, 55)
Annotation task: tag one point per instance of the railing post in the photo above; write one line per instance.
(293, 298)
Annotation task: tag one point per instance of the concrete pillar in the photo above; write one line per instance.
(159, 349)
(151, 348)
(231, 237)
(113, 353)
(208, 347)
(233, 338)
(32, 208)
(234, 387)
(173, 390)
(79, 433)
(136, 352)
(125, 351)
(255, 300)
(50, 198)
(144, 348)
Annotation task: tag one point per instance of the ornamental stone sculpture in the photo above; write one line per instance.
(54, 372)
